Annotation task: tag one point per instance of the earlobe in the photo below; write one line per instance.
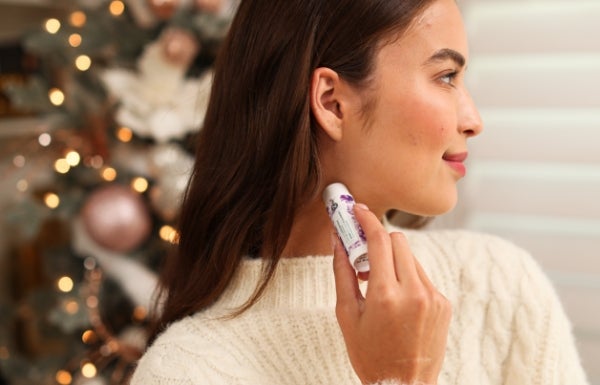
(325, 103)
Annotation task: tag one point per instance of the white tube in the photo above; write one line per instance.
(340, 207)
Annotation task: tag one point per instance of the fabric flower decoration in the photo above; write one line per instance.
(158, 101)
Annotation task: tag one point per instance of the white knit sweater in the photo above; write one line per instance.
(508, 327)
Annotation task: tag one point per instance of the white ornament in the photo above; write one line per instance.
(158, 101)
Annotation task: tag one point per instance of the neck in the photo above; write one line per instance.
(311, 232)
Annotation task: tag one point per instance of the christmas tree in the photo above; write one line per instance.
(97, 152)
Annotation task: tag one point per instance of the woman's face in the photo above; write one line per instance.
(406, 150)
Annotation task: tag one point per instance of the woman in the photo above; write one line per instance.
(369, 93)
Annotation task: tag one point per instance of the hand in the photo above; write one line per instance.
(399, 330)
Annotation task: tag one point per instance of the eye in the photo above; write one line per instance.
(449, 78)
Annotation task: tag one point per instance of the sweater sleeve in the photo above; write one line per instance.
(179, 357)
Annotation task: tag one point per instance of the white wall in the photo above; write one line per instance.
(535, 171)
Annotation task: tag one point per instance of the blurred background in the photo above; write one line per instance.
(534, 173)
(100, 101)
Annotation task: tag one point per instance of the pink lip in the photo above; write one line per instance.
(459, 157)
(455, 161)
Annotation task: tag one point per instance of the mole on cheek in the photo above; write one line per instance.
(414, 139)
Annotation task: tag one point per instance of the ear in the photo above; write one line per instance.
(325, 101)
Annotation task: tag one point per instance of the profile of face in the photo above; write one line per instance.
(401, 141)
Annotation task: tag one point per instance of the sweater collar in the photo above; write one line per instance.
(298, 283)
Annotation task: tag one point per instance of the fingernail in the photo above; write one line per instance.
(362, 206)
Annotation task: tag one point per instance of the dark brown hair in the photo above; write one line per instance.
(257, 156)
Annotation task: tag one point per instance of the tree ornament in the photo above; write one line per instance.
(158, 101)
(164, 9)
(117, 218)
(180, 46)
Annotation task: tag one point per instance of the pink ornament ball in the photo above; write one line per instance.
(117, 218)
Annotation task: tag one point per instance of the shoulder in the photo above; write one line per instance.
(466, 242)
(185, 353)
(481, 263)
(464, 246)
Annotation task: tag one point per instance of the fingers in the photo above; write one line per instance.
(380, 250)
(346, 286)
(404, 261)
(422, 275)
(390, 257)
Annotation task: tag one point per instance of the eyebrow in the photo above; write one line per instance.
(447, 54)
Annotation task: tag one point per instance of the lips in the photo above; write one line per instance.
(459, 157)
(455, 161)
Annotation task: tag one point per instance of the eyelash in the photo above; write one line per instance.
(450, 76)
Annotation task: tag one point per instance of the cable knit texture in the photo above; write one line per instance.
(508, 327)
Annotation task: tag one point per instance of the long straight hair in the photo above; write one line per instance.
(257, 157)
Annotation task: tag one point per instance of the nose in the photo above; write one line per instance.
(469, 121)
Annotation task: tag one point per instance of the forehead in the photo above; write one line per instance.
(438, 27)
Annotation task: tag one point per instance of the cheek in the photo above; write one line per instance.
(421, 131)
(428, 124)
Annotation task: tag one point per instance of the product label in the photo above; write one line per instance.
(341, 212)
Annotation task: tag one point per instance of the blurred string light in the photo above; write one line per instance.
(71, 306)
(92, 302)
(124, 134)
(51, 200)
(22, 185)
(73, 158)
(96, 162)
(78, 19)
(56, 96)
(62, 166)
(139, 184)
(109, 174)
(168, 234)
(52, 26)
(140, 313)
(88, 370)
(116, 8)
(89, 263)
(63, 377)
(83, 62)
(89, 337)
(19, 161)
(65, 284)
(45, 139)
(75, 40)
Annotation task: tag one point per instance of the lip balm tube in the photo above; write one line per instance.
(340, 207)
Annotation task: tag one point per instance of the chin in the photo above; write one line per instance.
(438, 206)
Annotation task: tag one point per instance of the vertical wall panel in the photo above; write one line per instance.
(534, 173)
